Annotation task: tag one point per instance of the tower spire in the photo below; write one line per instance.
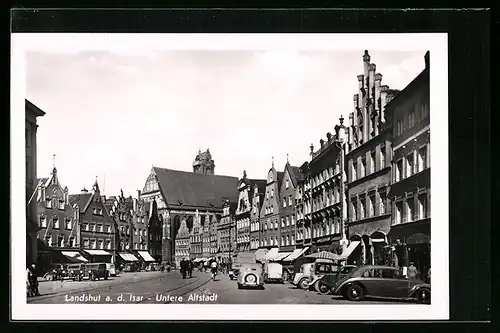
(287, 158)
(273, 161)
(54, 161)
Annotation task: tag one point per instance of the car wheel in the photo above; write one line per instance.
(424, 296)
(355, 293)
(323, 289)
(316, 286)
(304, 283)
(250, 278)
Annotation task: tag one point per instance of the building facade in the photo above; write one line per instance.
(244, 211)
(411, 189)
(301, 233)
(196, 242)
(97, 233)
(32, 112)
(58, 226)
(368, 157)
(288, 195)
(257, 193)
(270, 210)
(182, 243)
(180, 194)
(226, 233)
(323, 194)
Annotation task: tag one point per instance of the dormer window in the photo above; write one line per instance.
(48, 203)
(286, 184)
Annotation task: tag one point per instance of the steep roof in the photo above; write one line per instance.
(280, 174)
(80, 199)
(295, 173)
(181, 188)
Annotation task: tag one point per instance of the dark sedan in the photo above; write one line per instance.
(381, 281)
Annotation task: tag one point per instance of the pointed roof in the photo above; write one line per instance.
(182, 188)
(183, 231)
(280, 176)
(295, 173)
(81, 200)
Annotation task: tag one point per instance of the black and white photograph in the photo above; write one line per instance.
(230, 176)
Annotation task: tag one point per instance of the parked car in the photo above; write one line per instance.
(382, 281)
(309, 271)
(320, 270)
(57, 272)
(97, 271)
(273, 272)
(234, 272)
(251, 275)
(111, 269)
(76, 272)
(326, 283)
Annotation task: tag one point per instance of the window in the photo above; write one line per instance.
(362, 171)
(43, 222)
(362, 208)
(382, 157)
(422, 205)
(272, 193)
(93, 244)
(61, 204)
(398, 173)
(284, 202)
(265, 226)
(409, 209)
(292, 219)
(101, 228)
(286, 183)
(422, 159)
(255, 208)
(60, 241)
(373, 160)
(94, 211)
(48, 240)
(282, 240)
(72, 242)
(290, 200)
(92, 227)
(371, 205)
(282, 222)
(390, 274)
(108, 229)
(354, 171)
(354, 210)
(267, 194)
(383, 203)
(399, 212)
(135, 246)
(411, 118)
(287, 221)
(67, 224)
(409, 165)
(48, 203)
(55, 219)
(399, 127)
(101, 244)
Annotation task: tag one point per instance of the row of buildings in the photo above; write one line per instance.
(364, 193)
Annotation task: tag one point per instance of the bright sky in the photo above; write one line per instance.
(115, 115)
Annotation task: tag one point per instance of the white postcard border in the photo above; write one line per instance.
(437, 44)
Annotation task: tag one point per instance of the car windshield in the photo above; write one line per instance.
(353, 272)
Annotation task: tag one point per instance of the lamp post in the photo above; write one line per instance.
(341, 141)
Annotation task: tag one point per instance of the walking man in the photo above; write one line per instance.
(190, 268)
(183, 268)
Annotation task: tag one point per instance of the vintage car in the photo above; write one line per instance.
(321, 270)
(309, 272)
(273, 272)
(57, 272)
(234, 271)
(76, 272)
(111, 269)
(383, 282)
(97, 271)
(326, 283)
(251, 275)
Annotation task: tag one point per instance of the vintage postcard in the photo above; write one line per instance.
(229, 176)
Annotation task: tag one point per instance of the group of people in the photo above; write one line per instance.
(186, 267)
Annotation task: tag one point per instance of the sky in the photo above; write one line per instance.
(112, 116)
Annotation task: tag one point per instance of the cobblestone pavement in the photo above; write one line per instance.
(162, 288)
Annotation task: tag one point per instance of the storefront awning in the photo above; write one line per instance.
(146, 256)
(127, 256)
(297, 253)
(281, 256)
(74, 256)
(260, 254)
(98, 253)
(272, 253)
(350, 249)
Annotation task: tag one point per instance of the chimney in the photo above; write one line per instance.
(366, 62)
(426, 58)
(66, 196)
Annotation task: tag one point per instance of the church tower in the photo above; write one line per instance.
(203, 163)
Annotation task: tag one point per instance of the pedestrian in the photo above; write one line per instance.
(190, 268)
(412, 271)
(33, 280)
(182, 265)
(162, 268)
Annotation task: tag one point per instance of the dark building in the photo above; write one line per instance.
(179, 194)
(289, 187)
(226, 230)
(244, 210)
(368, 167)
(32, 112)
(155, 233)
(97, 232)
(410, 192)
(59, 232)
(257, 193)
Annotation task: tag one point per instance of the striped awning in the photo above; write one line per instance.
(325, 255)
(281, 256)
(146, 256)
(297, 253)
(127, 256)
(98, 253)
(73, 255)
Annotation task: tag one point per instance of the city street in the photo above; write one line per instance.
(162, 288)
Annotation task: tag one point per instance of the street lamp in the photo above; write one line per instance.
(341, 141)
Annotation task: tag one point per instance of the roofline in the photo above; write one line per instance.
(408, 87)
(33, 108)
(155, 167)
